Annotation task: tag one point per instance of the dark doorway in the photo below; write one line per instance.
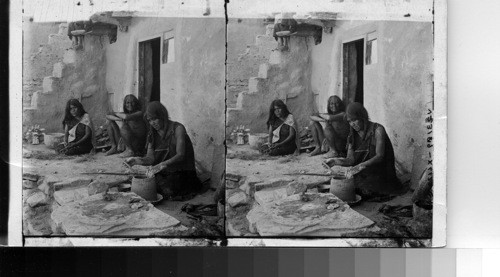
(353, 71)
(149, 71)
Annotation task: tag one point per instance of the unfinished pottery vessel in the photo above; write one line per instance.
(145, 187)
(256, 140)
(53, 139)
(343, 188)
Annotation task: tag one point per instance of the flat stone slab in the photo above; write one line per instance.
(95, 216)
(72, 183)
(66, 196)
(290, 216)
(264, 197)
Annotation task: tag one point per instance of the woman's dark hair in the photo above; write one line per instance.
(67, 114)
(356, 110)
(135, 103)
(333, 98)
(272, 117)
(155, 110)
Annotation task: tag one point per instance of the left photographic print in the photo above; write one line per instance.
(123, 125)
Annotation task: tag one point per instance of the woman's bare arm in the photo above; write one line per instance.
(291, 137)
(317, 118)
(333, 117)
(146, 160)
(270, 138)
(180, 146)
(131, 116)
(379, 148)
(113, 117)
(347, 161)
(66, 133)
(88, 133)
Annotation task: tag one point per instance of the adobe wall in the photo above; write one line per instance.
(398, 89)
(192, 87)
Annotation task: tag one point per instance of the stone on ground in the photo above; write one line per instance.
(295, 188)
(264, 197)
(96, 187)
(292, 217)
(72, 183)
(66, 196)
(238, 198)
(31, 176)
(28, 184)
(273, 183)
(94, 216)
(46, 184)
(37, 199)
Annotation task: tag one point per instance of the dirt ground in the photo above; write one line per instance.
(43, 161)
(245, 161)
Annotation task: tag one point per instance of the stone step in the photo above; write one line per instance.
(69, 56)
(34, 99)
(275, 57)
(58, 70)
(50, 84)
(63, 29)
(265, 44)
(59, 41)
(256, 85)
(263, 70)
(232, 116)
(269, 30)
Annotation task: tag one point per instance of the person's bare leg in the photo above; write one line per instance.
(318, 136)
(114, 137)
(330, 138)
(128, 138)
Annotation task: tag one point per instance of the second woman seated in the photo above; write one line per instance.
(133, 131)
(283, 135)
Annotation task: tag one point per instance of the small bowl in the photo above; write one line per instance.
(354, 202)
(124, 187)
(159, 198)
(324, 188)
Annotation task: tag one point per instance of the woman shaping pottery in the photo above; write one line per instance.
(133, 130)
(336, 129)
(78, 130)
(170, 153)
(283, 137)
(370, 153)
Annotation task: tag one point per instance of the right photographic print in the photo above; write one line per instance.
(329, 130)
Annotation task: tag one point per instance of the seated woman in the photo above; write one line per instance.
(133, 131)
(171, 154)
(283, 137)
(370, 153)
(336, 129)
(78, 130)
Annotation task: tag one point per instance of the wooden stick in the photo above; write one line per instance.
(115, 173)
(311, 174)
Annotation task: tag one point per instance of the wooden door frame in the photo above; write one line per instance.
(343, 42)
(137, 55)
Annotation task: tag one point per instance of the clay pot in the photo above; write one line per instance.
(256, 140)
(343, 188)
(53, 139)
(144, 187)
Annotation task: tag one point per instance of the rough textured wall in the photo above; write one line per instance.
(121, 57)
(287, 76)
(202, 65)
(38, 55)
(398, 89)
(65, 74)
(192, 87)
(243, 55)
(293, 81)
(83, 78)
